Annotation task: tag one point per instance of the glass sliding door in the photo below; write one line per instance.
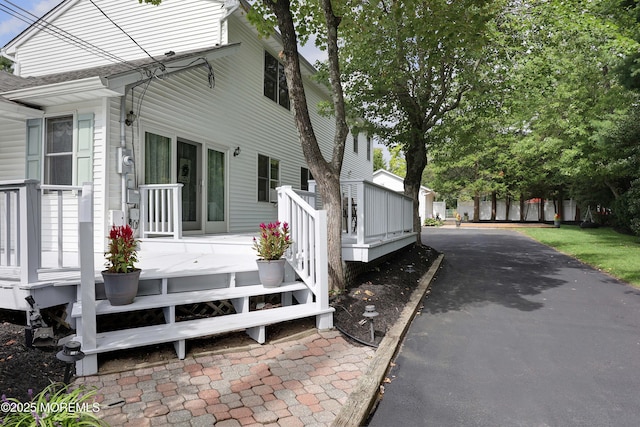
(190, 176)
(157, 159)
(216, 195)
(202, 171)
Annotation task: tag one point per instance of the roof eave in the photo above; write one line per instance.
(46, 95)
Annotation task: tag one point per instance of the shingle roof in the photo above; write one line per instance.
(10, 82)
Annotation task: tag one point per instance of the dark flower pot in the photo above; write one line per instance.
(121, 288)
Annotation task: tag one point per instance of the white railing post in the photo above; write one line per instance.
(89, 364)
(361, 220)
(177, 212)
(28, 239)
(322, 260)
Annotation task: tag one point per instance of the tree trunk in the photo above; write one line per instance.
(560, 207)
(416, 162)
(494, 205)
(508, 207)
(522, 206)
(476, 208)
(541, 210)
(327, 174)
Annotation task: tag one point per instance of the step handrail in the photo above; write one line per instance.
(308, 254)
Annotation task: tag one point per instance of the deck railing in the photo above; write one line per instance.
(21, 207)
(308, 254)
(161, 210)
(371, 211)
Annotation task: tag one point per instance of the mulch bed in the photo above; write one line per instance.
(388, 286)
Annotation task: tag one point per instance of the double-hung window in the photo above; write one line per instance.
(275, 82)
(268, 178)
(60, 149)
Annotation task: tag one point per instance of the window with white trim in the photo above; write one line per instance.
(369, 144)
(355, 143)
(275, 82)
(268, 178)
(59, 150)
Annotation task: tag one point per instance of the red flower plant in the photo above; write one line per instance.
(273, 241)
(122, 250)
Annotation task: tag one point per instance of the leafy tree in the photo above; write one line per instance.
(295, 22)
(397, 163)
(5, 64)
(378, 160)
(408, 64)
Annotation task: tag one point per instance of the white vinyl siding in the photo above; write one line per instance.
(175, 25)
(12, 149)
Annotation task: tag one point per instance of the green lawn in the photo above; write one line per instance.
(603, 248)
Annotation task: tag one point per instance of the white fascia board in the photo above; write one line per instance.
(118, 83)
(88, 84)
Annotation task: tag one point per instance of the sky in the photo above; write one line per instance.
(11, 26)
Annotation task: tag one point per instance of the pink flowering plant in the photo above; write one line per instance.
(273, 241)
(122, 253)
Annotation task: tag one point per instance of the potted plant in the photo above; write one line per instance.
(273, 241)
(556, 221)
(121, 276)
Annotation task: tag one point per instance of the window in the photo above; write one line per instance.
(62, 153)
(305, 177)
(58, 151)
(355, 143)
(368, 148)
(268, 178)
(275, 82)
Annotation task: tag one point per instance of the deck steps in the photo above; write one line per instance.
(297, 302)
(147, 302)
(177, 332)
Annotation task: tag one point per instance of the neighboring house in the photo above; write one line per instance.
(392, 181)
(191, 139)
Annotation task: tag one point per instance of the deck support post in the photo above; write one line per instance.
(29, 232)
(88, 365)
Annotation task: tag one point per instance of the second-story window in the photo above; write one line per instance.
(275, 82)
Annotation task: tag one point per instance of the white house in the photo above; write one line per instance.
(179, 117)
(396, 183)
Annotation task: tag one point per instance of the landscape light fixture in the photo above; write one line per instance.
(70, 354)
(370, 312)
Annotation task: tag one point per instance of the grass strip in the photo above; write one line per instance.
(603, 248)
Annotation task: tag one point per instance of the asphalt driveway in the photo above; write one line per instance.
(516, 334)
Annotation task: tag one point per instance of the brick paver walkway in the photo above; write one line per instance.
(301, 382)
